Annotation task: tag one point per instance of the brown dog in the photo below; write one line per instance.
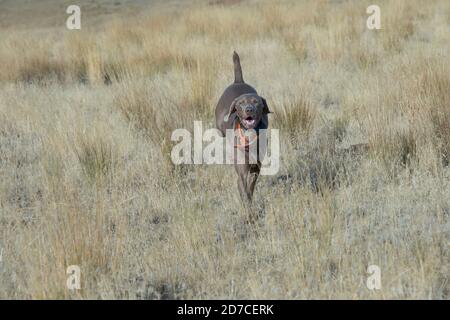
(241, 108)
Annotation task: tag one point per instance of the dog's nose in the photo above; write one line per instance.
(248, 109)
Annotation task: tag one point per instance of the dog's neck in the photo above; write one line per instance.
(245, 141)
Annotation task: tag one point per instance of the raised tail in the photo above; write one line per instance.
(237, 69)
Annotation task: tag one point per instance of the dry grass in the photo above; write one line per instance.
(86, 178)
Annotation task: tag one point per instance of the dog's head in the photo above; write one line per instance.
(250, 109)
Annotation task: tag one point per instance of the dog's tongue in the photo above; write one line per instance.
(249, 122)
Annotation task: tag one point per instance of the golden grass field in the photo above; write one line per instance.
(86, 178)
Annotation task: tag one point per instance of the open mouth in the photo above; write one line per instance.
(249, 122)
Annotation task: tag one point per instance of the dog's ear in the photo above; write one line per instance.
(232, 110)
(265, 106)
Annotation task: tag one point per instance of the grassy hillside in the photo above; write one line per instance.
(86, 177)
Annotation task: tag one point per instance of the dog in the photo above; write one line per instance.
(241, 108)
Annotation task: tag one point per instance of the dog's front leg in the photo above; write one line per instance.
(242, 187)
(251, 182)
(243, 171)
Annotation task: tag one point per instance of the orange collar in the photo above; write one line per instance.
(244, 141)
